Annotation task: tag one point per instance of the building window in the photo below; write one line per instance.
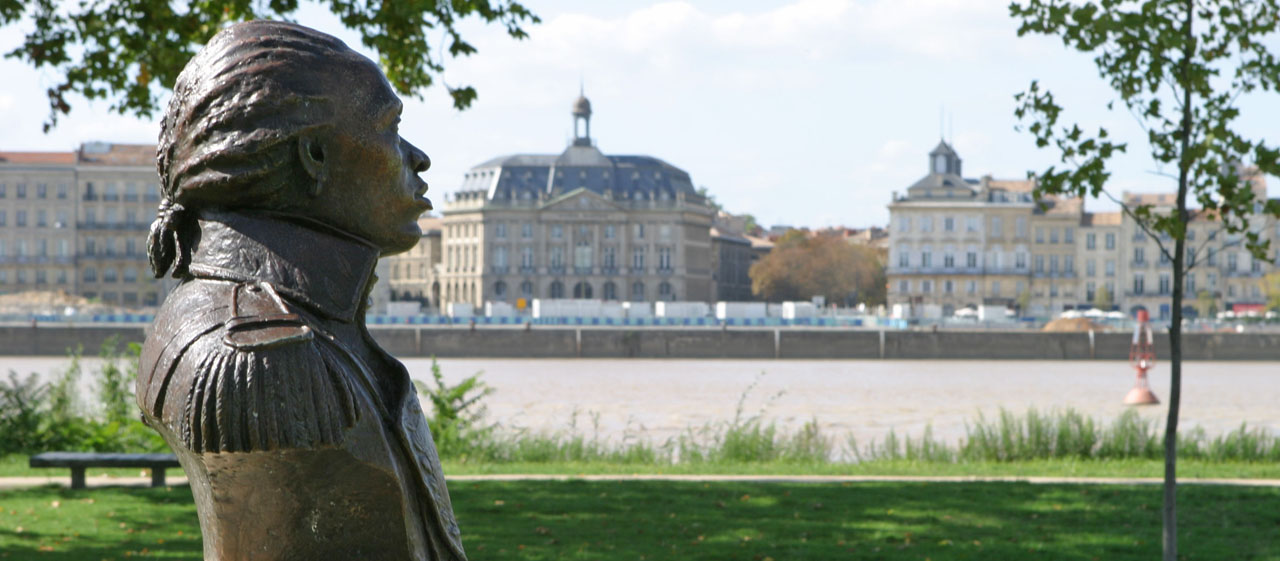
(1231, 261)
(949, 224)
(62, 190)
(1089, 290)
(904, 286)
(557, 290)
(904, 224)
(971, 259)
(1069, 235)
(4, 218)
(926, 223)
(1191, 284)
(1091, 241)
(664, 259)
(500, 256)
(1020, 260)
(42, 218)
(971, 287)
(557, 231)
(21, 190)
(1020, 226)
(526, 289)
(1053, 264)
(637, 259)
(1164, 285)
(42, 191)
(1111, 240)
(1039, 264)
(1069, 264)
(526, 230)
(582, 256)
(500, 290)
(904, 258)
(971, 223)
(500, 230)
(610, 231)
(1138, 284)
(1139, 256)
(639, 231)
(948, 260)
(995, 288)
(130, 274)
(610, 291)
(1039, 235)
(1111, 268)
(926, 286)
(1091, 267)
(665, 292)
(20, 217)
(997, 226)
(1053, 235)
(637, 291)
(608, 255)
(526, 257)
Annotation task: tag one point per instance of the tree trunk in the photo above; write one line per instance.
(1175, 329)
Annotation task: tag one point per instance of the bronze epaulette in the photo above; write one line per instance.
(260, 319)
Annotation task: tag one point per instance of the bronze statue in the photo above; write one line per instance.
(284, 178)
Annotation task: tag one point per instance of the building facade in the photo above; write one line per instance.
(957, 242)
(78, 221)
(579, 224)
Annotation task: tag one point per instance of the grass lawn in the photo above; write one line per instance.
(664, 520)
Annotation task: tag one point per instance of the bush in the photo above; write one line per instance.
(38, 417)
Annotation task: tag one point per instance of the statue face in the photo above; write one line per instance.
(371, 184)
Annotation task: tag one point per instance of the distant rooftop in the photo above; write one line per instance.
(112, 154)
(38, 158)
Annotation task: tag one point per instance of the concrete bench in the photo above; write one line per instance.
(78, 461)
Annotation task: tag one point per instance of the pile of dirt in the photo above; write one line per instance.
(1071, 325)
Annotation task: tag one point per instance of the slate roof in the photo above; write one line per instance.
(529, 176)
(112, 154)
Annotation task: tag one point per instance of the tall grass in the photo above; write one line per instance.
(1008, 437)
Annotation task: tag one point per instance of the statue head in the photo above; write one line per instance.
(276, 117)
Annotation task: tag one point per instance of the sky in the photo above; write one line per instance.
(800, 112)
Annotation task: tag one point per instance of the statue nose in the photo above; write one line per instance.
(418, 159)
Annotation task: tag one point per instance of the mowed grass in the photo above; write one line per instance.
(579, 520)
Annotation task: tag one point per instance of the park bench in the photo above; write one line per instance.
(78, 461)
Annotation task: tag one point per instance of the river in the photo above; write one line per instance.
(658, 399)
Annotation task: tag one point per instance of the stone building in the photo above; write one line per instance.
(78, 221)
(414, 275)
(578, 224)
(957, 242)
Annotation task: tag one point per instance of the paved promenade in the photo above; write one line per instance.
(101, 481)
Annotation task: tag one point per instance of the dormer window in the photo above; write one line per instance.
(940, 163)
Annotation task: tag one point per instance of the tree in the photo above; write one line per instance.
(1179, 68)
(1102, 299)
(1272, 285)
(801, 267)
(1206, 305)
(130, 51)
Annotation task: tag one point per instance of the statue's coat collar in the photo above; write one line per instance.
(319, 267)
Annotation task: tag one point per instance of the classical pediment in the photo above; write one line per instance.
(581, 200)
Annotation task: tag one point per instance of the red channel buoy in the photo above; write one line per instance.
(1142, 355)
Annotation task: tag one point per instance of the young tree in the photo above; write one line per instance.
(1179, 67)
(130, 51)
(1102, 299)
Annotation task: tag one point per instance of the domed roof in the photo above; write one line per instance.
(582, 107)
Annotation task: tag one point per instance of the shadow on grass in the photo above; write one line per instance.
(579, 520)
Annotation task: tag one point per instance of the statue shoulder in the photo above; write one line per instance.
(254, 378)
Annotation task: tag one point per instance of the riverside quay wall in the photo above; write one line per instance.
(739, 343)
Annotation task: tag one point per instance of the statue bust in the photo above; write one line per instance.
(284, 178)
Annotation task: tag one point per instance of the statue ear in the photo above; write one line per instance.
(311, 152)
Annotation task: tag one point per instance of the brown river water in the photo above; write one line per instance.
(658, 399)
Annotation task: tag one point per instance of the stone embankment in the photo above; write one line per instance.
(739, 343)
